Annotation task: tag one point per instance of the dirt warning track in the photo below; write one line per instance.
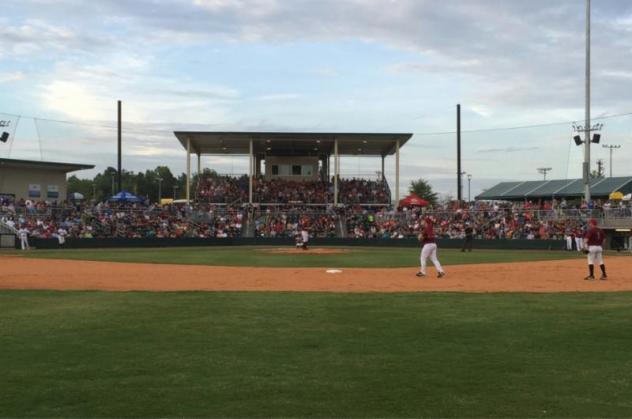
(549, 276)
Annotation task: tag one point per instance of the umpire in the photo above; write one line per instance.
(469, 237)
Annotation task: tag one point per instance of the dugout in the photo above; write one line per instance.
(293, 155)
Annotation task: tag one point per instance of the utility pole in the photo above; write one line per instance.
(120, 176)
(458, 153)
(544, 171)
(586, 166)
(600, 168)
(611, 147)
(159, 190)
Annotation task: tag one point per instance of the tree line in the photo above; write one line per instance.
(143, 184)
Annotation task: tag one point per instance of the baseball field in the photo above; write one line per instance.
(330, 332)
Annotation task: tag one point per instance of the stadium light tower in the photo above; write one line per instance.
(611, 147)
(469, 181)
(544, 171)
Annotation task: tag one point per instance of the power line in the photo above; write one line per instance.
(113, 125)
(549, 124)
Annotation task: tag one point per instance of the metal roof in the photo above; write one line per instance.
(36, 164)
(558, 188)
(292, 143)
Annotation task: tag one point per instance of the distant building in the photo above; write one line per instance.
(38, 180)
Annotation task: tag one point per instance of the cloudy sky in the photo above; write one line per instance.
(317, 65)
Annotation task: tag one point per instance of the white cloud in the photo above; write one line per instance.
(14, 76)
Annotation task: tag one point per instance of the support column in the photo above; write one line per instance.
(199, 165)
(397, 172)
(336, 171)
(250, 174)
(188, 189)
(383, 175)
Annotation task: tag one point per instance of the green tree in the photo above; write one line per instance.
(422, 189)
(82, 186)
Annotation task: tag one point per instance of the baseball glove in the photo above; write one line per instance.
(585, 251)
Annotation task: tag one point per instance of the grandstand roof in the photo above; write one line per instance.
(37, 164)
(292, 143)
(558, 188)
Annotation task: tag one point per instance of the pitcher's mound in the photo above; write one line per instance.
(309, 251)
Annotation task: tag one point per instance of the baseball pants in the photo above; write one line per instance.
(429, 251)
(579, 242)
(595, 255)
(569, 243)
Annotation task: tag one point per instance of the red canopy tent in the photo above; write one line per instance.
(413, 200)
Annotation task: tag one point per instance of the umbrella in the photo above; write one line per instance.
(124, 196)
(413, 200)
(616, 195)
(627, 197)
(75, 196)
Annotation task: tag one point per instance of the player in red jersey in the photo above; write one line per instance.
(429, 249)
(593, 242)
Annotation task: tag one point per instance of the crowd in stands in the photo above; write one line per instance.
(273, 222)
(488, 223)
(489, 220)
(227, 189)
(121, 220)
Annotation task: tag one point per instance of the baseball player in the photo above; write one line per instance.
(304, 238)
(593, 242)
(429, 249)
(469, 237)
(23, 234)
(61, 235)
(579, 238)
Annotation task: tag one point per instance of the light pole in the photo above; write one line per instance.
(113, 185)
(611, 147)
(469, 180)
(469, 184)
(461, 184)
(175, 189)
(94, 192)
(544, 170)
(159, 190)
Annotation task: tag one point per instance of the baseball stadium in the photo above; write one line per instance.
(323, 277)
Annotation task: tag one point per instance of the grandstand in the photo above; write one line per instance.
(297, 160)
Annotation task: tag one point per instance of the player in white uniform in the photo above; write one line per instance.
(23, 234)
(61, 236)
(304, 238)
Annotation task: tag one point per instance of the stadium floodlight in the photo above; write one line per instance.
(580, 128)
(611, 147)
(544, 170)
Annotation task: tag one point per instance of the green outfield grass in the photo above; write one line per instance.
(98, 354)
(354, 257)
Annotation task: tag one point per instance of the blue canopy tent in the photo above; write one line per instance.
(124, 196)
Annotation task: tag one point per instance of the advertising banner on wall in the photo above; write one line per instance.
(52, 191)
(35, 190)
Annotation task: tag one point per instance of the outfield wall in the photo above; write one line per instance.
(242, 241)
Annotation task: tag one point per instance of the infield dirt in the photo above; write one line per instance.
(548, 276)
